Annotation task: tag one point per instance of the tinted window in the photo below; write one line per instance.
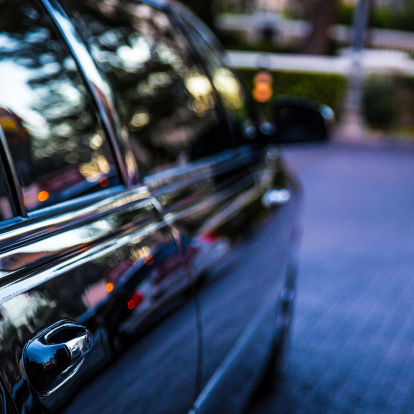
(166, 100)
(7, 208)
(55, 140)
(232, 92)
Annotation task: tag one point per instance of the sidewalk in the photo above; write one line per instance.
(353, 334)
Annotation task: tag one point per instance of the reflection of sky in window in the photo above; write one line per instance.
(40, 35)
(18, 96)
(136, 55)
(49, 68)
(83, 55)
(168, 56)
(110, 38)
(7, 42)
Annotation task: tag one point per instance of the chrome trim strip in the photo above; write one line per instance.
(24, 283)
(15, 186)
(219, 197)
(31, 232)
(196, 172)
(231, 210)
(98, 88)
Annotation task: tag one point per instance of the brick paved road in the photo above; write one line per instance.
(352, 348)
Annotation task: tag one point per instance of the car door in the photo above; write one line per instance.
(91, 276)
(239, 296)
(181, 137)
(194, 140)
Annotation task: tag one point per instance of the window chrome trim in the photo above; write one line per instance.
(13, 283)
(97, 87)
(30, 232)
(11, 176)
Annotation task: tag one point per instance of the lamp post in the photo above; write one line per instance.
(360, 25)
(359, 37)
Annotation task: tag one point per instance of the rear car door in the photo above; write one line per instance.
(91, 276)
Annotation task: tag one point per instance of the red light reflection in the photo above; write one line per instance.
(149, 260)
(136, 299)
(104, 181)
(210, 236)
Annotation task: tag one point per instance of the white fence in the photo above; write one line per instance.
(371, 62)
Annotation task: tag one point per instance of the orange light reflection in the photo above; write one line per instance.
(43, 196)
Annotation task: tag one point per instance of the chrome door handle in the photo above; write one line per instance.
(276, 197)
(55, 355)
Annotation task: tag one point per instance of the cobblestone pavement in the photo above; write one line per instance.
(352, 346)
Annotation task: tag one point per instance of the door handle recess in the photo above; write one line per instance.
(55, 355)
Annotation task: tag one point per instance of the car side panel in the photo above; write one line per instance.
(256, 225)
(114, 268)
(6, 407)
(240, 304)
(237, 246)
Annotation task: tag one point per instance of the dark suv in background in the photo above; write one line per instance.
(147, 218)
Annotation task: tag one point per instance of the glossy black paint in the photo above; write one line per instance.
(55, 355)
(299, 120)
(162, 289)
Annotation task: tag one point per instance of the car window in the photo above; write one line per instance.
(165, 99)
(56, 142)
(240, 113)
(7, 206)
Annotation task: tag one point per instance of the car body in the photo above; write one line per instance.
(147, 223)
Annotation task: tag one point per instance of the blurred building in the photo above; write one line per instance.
(280, 5)
(271, 5)
(381, 2)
